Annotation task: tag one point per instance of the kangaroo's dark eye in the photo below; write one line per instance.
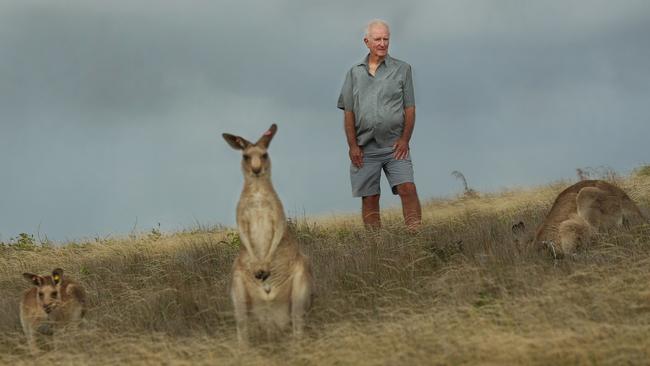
(265, 156)
(40, 294)
(54, 294)
(247, 157)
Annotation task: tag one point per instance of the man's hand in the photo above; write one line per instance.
(401, 149)
(356, 156)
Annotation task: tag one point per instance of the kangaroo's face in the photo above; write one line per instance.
(255, 161)
(48, 297)
(255, 158)
(48, 294)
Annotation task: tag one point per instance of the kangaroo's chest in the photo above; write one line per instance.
(258, 219)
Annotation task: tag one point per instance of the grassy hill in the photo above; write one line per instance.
(459, 292)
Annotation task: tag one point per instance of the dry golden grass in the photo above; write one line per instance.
(458, 292)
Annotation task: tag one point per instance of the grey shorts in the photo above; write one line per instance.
(365, 180)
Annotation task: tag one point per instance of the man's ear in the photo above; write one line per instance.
(35, 280)
(57, 275)
(266, 138)
(236, 142)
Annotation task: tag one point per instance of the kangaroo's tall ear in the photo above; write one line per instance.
(236, 142)
(57, 275)
(266, 138)
(35, 280)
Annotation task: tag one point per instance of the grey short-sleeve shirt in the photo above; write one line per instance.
(378, 101)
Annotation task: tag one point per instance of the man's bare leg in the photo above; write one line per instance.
(370, 212)
(410, 205)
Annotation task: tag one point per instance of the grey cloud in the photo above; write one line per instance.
(112, 111)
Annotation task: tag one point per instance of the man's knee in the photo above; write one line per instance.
(370, 201)
(406, 189)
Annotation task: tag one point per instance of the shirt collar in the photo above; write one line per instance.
(387, 60)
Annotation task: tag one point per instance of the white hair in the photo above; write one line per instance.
(373, 23)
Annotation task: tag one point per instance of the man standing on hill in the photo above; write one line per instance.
(378, 104)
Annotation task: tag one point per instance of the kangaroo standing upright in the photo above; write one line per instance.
(271, 278)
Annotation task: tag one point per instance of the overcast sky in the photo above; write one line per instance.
(111, 112)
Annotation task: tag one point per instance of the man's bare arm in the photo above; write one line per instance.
(409, 123)
(356, 154)
(401, 147)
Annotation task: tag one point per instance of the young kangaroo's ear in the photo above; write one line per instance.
(35, 280)
(236, 142)
(57, 275)
(518, 228)
(266, 138)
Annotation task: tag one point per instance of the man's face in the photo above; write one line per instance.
(377, 41)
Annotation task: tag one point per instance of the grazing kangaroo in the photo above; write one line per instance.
(271, 278)
(579, 212)
(53, 301)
